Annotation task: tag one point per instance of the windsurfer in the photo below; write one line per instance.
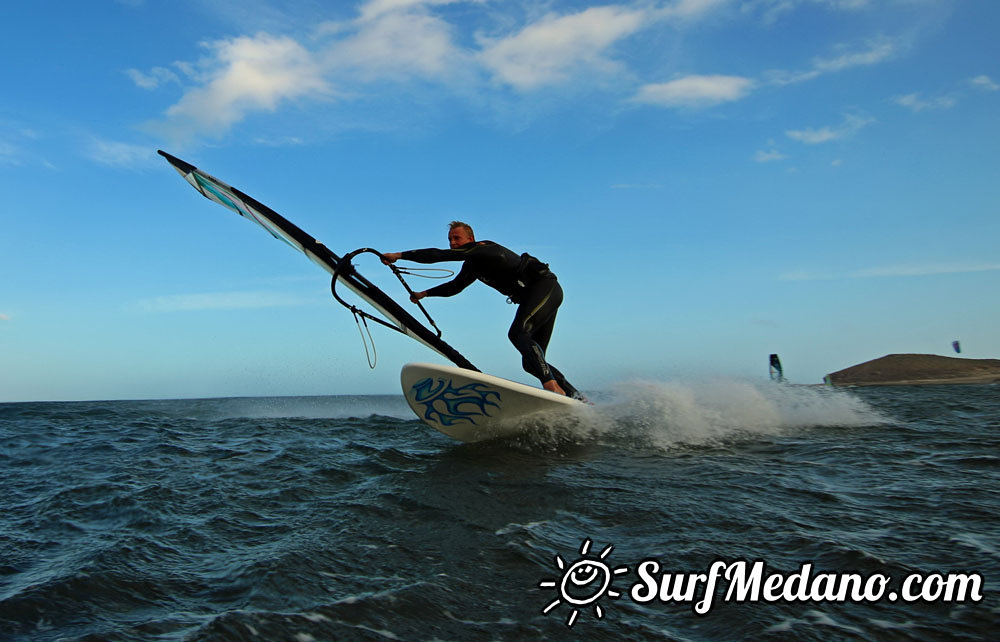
(524, 279)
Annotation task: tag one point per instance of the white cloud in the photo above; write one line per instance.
(768, 156)
(119, 154)
(916, 103)
(287, 141)
(244, 74)
(912, 270)
(687, 9)
(814, 136)
(851, 125)
(20, 145)
(4, 317)
(10, 154)
(875, 52)
(402, 40)
(985, 82)
(156, 77)
(637, 186)
(926, 270)
(396, 38)
(695, 91)
(220, 301)
(846, 4)
(377, 8)
(556, 47)
(389, 40)
(772, 9)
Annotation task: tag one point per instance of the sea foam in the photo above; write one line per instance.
(671, 414)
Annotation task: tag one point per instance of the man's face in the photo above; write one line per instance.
(459, 236)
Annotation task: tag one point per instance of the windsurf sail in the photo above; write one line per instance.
(282, 229)
(776, 371)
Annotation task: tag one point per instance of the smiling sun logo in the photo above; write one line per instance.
(584, 582)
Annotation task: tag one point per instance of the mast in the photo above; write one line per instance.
(281, 228)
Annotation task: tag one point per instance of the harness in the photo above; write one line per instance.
(529, 270)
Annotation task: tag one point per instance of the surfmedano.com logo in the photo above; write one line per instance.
(583, 582)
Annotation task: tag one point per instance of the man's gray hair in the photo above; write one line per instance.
(468, 227)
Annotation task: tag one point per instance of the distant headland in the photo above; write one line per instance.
(917, 369)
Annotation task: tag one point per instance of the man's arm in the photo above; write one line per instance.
(433, 255)
(464, 279)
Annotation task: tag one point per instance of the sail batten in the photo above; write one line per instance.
(281, 228)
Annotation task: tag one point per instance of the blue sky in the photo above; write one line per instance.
(712, 181)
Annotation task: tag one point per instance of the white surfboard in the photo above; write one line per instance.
(472, 406)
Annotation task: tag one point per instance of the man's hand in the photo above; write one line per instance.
(416, 296)
(391, 257)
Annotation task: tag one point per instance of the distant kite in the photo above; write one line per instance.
(958, 348)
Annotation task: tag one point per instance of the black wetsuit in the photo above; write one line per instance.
(525, 280)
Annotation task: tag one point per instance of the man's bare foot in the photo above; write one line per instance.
(552, 386)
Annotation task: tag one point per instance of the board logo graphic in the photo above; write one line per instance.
(583, 582)
(448, 405)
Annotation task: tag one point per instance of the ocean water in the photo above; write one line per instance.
(345, 518)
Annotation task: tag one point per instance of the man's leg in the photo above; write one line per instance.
(531, 331)
(542, 335)
(539, 304)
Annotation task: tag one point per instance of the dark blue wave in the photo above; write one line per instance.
(345, 518)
